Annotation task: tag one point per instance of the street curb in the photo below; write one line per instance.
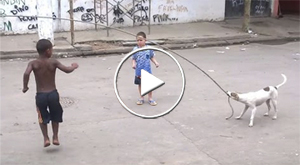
(124, 50)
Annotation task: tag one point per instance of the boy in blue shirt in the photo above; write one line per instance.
(141, 60)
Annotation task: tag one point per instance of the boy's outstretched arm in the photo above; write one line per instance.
(26, 76)
(155, 62)
(66, 69)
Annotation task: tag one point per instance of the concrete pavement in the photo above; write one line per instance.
(176, 36)
(98, 130)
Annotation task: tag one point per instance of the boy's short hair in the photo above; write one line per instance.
(141, 34)
(42, 45)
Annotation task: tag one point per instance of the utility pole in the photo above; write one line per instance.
(71, 21)
(45, 25)
(247, 9)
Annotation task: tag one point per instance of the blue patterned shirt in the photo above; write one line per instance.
(142, 59)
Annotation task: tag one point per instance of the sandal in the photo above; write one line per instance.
(152, 102)
(140, 102)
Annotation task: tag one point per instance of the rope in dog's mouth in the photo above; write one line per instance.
(123, 31)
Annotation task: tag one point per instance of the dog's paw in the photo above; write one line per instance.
(274, 117)
(238, 117)
(251, 125)
(266, 114)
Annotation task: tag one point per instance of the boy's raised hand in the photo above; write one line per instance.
(75, 65)
(25, 89)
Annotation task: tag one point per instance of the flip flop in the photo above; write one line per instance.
(140, 102)
(152, 102)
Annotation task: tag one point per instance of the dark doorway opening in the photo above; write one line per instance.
(289, 7)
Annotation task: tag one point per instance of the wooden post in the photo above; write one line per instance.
(107, 28)
(59, 15)
(149, 23)
(246, 15)
(95, 13)
(71, 22)
(133, 5)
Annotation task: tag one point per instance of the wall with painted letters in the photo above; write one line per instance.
(115, 13)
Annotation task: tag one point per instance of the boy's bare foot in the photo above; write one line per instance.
(46, 143)
(55, 141)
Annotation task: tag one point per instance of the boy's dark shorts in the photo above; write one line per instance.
(137, 80)
(49, 100)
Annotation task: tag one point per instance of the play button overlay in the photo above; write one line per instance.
(149, 82)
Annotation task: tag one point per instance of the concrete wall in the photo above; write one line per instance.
(125, 13)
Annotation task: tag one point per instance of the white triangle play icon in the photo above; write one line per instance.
(149, 82)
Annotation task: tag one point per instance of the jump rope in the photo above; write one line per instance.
(123, 31)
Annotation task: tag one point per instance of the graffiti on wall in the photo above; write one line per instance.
(170, 6)
(6, 26)
(163, 18)
(19, 11)
(88, 15)
(260, 7)
(138, 12)
(237, 3)
(2, 12)
(12, 2)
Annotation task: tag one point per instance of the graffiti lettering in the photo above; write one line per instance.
(90, 10)
(163, 18)
(118, 20)
(12, 2)
(2, 12)
(237, 3)
(19, 9)
(138, 7)
(137, 18)
(53, 16)
(25, 18)
(170, 8)
(32, 26)
(170, 1)
(89, 17)
(78, 9)
(259, 9)
(117, 11)
(6, 26)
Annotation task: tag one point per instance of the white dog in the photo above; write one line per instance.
(255, 99)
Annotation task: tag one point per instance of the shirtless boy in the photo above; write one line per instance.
(47, 97)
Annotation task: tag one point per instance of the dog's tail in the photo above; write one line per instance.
(284, 81)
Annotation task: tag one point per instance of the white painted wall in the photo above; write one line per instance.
(162, 12)
(45, 26)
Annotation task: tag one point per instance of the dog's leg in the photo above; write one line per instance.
(274, 102)
(252, 117)
(269, 108)
(243, 112)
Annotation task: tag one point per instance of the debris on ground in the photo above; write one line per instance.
(100, 45)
